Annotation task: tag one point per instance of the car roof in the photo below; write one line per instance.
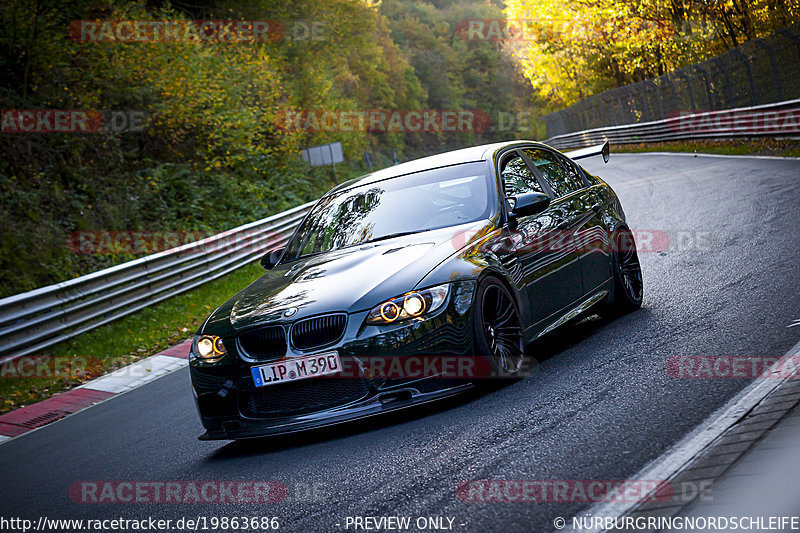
(472, 154)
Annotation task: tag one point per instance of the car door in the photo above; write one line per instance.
(592, 238)
(568, 214)
(548, 271)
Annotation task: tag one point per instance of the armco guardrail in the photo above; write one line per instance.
(35, 320)
(781, 119)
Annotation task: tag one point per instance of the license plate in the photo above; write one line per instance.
(310, 366)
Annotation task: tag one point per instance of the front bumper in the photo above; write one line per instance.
(243, 428)
(231, 407)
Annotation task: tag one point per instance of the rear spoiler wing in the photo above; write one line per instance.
(600, 149)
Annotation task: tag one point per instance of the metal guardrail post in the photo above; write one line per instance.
(688, 86)
(793, 37)
(746, 61)
(676, 105)
(708, 87)
(727, 85)
(608, 107)
(657, 93)
(621, 119)
(776, 79)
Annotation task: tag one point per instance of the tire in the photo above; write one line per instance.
(498, 334)
(627, 274)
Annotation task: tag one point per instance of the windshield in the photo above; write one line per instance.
(409, 204)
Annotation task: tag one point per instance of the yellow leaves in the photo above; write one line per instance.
(580, 48)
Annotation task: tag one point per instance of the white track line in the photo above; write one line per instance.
(136, 375)
(699, 154)
(678, 456)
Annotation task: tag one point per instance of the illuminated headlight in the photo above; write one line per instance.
(409, 305)
(208, 346)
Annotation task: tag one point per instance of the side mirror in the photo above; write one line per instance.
(606, 151)
(528, 204)
(271, 258)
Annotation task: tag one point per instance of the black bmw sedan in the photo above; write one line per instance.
(414, 283)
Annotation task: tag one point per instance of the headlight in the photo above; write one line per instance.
(409, 305)
(208, 346)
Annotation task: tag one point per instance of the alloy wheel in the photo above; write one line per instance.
(501, 325)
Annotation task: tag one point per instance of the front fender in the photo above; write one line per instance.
(479, 258)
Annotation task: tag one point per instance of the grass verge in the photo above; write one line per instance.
(118, 344)
(774, 147)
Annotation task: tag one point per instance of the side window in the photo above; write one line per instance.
(573, 170)
(518, 178)
(562, 177)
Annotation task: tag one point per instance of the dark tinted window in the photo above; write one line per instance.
(562, 177)
(518, 178)
(408, 204)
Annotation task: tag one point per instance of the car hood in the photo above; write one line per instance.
(350, 280)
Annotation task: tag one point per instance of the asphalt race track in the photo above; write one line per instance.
(599, 406)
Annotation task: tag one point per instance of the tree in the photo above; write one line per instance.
(571, 49)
